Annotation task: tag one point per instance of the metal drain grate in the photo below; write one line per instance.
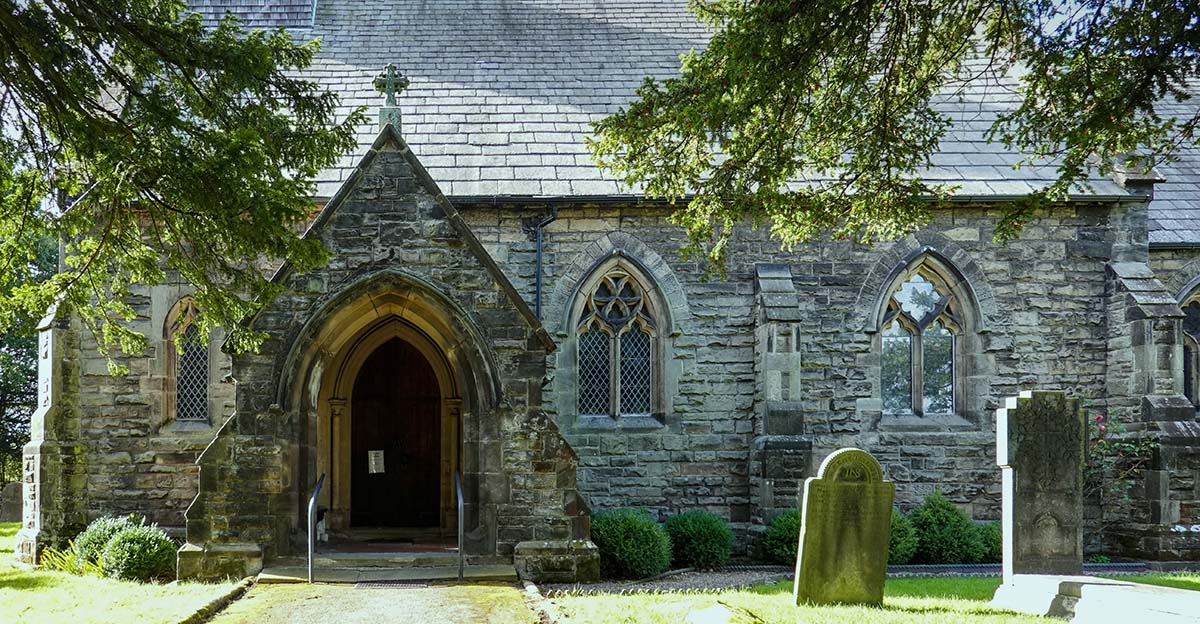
(391, 585)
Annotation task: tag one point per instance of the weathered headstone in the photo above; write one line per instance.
(1040, 447)
(10, 502)
(844, 531)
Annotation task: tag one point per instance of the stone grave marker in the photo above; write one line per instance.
(10, 502)
(1041, 440)
(844, 530)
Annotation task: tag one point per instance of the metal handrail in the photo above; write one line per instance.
(312, 524)
(459, 491)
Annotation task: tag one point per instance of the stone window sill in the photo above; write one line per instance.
(931, 423)
(187, 426)
(624, 423)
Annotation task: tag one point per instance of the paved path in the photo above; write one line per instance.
(347, 604)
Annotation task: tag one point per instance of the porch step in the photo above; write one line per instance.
(375, 574)
(434, 559)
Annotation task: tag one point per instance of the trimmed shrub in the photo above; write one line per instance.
(632, 545)
(782, 538)
(903, 542)
(991, 536)
(89, 544)
(944, 533)
(139, 553)
(699, 539)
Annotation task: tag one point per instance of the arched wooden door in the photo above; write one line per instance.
(396, 444)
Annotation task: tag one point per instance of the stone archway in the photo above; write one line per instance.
(324, 364)
(336, 419)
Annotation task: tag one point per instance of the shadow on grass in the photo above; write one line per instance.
(21, 579)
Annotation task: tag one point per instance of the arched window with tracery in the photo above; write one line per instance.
(187, 364)
(919, 335)
(617, 332)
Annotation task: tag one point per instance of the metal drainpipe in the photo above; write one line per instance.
(535, 232)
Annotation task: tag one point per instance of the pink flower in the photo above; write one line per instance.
(1099, 417)
(1101, 427)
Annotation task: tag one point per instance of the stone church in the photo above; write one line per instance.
(497, 310)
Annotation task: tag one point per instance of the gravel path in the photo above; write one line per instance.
(682, 582)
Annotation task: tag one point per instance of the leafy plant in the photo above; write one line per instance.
(991, 537)
(1115, 462)
(139, 553)
(89, 545)
(68, 560)
(903, 541)
(861, 112)
(112, 114)
(699, 539)
(632, 545)
(783, 538)
(944, 533)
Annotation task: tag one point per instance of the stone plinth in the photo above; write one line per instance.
(1040, 445)
(844, 531)
(1094, 599)
(565, 561)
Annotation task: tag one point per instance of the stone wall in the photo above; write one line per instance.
(1039, 303)
(139, 462)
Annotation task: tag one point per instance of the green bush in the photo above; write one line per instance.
(632, 545)
(944, 533)
(991, 536)
(89, 544)
(903, 542)
(782, 538)
(699, 539)
(139, 553)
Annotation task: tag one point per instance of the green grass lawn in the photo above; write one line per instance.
(40, 597)
(1182, 580)
(905, 600)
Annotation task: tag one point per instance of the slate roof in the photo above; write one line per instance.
(257, 13)
(503, 92)
(1175, 211)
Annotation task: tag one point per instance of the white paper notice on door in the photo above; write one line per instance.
(374, 462)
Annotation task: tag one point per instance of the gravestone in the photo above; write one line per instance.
(10, 502)
(1041, 440)
(844, 531)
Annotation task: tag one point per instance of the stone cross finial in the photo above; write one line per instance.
(390, 82)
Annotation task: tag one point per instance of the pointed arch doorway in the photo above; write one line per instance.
(393, 441)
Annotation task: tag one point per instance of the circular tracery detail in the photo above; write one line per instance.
(615, 303)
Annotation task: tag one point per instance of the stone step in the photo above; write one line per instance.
(374, 560)
(299, 574)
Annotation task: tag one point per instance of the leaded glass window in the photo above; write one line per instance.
(188, 354)
(191, 382)
(594, 388)
(616, 332)
(917, 347)
(896, 368)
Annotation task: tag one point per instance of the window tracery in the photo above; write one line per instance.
(616, 345)
(918, 344)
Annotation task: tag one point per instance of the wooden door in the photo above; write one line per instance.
(396, 410)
